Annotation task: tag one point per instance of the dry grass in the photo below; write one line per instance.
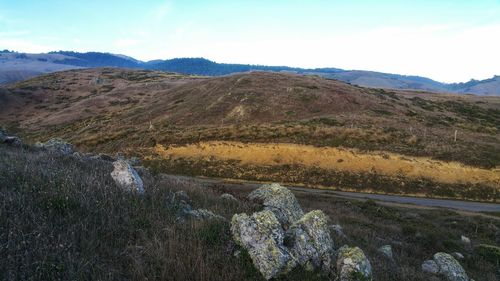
(62, 218)
(327, 167)
(348, 160)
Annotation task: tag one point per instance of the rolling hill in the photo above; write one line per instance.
(19, 66)
(270, 126)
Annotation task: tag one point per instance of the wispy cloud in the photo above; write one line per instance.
(160, 12)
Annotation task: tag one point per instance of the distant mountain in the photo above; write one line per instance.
(95, 59)
(19, 66)
(201, 66)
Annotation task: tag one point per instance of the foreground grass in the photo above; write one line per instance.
(62, 218)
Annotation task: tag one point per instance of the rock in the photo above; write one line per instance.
(386, 251)
(203, 214)
(310, 241)
(262, 236)
(430, 267)
(352, 265)
(57, 145)
(103, 157)
(458, 255)
(337, 228)
(181, 195)
(9, 139)
(228, 197)
(126, 177)
(465, 240)
(450, 268)
(445, 265)
(280, 201)
(13, 141)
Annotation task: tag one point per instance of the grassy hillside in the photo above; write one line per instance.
(115, 110)
(63, 218)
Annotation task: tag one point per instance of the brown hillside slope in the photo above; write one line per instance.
(132, 111)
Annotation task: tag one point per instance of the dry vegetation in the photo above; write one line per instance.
(132, 111)
(329, 167)
(62, 218)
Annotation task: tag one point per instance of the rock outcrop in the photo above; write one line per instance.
(262, 236)
(228, 197)
(280, 201)
(352, 265)
(57, 145)
(126, 177)
(430, 267)
(386, 250)
(310, 241)
(281, 237)
(445, 265)
(9, 139)
(203, 214)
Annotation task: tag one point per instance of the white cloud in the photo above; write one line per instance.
(447, 53)
(26, 46)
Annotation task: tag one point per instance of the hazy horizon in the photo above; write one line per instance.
(448, 41)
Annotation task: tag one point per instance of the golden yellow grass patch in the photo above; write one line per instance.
(348, 160)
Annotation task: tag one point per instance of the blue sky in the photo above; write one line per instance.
(448, 41)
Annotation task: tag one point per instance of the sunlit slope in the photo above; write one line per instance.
(330, 133)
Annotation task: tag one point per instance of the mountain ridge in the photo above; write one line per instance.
(19, 66)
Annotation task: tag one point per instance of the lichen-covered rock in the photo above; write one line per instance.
(262, 236)
(310, 241)
(352, 265)
(228, 197)
(386, 250)
(57, 145)
(447, 266)
(280, 201)
(126, 177)
(203, 214)
(430, 267)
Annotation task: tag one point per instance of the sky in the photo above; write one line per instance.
(448, 41)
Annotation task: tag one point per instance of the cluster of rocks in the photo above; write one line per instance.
(124, 174)
(281, 237)
(57, 146)
(445, 265)
(180, 200)
(9, 139)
